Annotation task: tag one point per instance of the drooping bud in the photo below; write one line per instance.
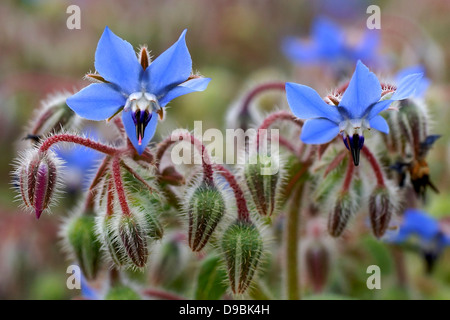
(381, 207)
(144, 197)
(413, 122)
(317, 253)
(82, 242)
(134, 240)
(122, 292)
(205, 208)
(242, 247)
(343, 209)
(53, 116)
(317, 260)
(170, 259)
(262, 178)
(38, 177)
(109, 235)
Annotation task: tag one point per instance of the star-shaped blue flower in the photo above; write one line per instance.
(423, 231)
(329, 45)
(358, 109)
(140, 91)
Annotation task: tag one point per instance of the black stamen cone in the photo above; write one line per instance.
(355, 143)
(141, 119)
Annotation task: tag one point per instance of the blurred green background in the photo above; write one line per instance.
(236, 43)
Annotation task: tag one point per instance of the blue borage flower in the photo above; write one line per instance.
(329, 44)
(358, 109)
(140, 90)
(419, 228)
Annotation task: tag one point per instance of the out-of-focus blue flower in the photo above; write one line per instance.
(139, 92)
(422, 85)
(329, 45)
(425, 232)
(358, 109)
(87, 292)
(80, 162)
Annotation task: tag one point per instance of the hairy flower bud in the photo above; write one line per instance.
(381, 208)
(343, 210)
(144, 197)
(205, 208)
(82, 242)
(109, 235)
(262, 177)
(169, 260)
(317, 254)
(242, 247)
(317, 261)
(38, 178)
(134, 240)
(53, 116)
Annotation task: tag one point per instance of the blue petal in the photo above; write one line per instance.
(98, 101)
(306, 103)
(377, 108)
(363, 90)
(299, 52)
(193, 85)
(379, 123)
(318, 131)
(171, 68)
(408, 71)
(407, 86)
(328, 36)
(366, 49)
(418, 222)
(116, 61)
(130, 129)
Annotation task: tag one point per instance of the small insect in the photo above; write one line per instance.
(418, 169)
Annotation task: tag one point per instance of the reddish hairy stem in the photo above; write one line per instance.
(375, 166)
(119, 187)
(78, 140)
(164, 295)
(336, 161)
(243, 214)
(206, 161)
(100, 172)
(279, 115)
(110, 199)
(348, 176)
(259, 89)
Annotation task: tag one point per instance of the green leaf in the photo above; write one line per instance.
(211, 279)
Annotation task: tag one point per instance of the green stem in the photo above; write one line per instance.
(292, 245)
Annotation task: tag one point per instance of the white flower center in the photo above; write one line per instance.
(353, 126)
(142, 101)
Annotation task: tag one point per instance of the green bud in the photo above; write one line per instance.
(170, 260)
(262, 177)
(111, 241)
(122, 292)
(381, 208)
(242, 247)
(134, 240)
(83, 242)
(344, 208)
(205, 209)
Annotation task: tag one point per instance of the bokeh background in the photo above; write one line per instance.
(237, 44)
